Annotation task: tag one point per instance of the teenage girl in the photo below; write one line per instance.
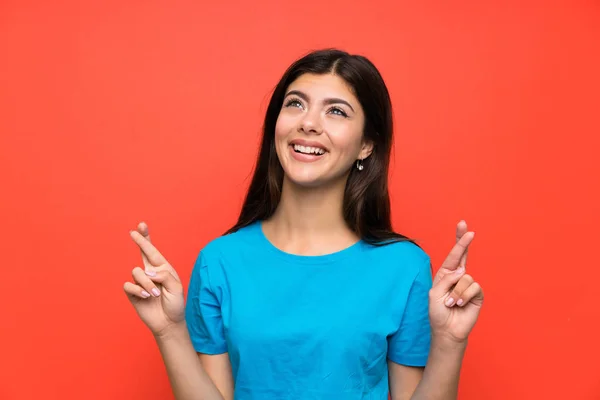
(312, 295)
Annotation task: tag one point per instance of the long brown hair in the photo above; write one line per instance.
(366, 206)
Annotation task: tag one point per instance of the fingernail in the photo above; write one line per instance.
(460, 270)
(449, 301)
(145, 294)
(156, 292)
(150, 272)
(459, 302)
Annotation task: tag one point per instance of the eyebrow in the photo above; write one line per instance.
(330, 100)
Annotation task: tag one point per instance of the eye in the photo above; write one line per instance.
(338, 111)
(293, 103)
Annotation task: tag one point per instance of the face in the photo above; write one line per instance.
(319, 131)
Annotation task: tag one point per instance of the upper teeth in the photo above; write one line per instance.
(308, 149)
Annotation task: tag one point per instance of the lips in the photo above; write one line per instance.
(308, 147)
(317, 151)
(305, 154)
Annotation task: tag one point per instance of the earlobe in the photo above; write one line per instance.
(367, 149)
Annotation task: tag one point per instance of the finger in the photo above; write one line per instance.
(147, 248)
(452, 262)
(461, 229)
(134, 290)
(455, 295)
(167, 280)
(442, 288)
(142, 279)
(142, 228)
(472, 294)
(166, 267)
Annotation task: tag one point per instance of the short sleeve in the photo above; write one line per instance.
(203, 311)
(410, 344)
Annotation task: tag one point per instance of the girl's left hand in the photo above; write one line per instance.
(455, 299)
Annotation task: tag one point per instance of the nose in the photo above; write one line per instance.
(311, 123)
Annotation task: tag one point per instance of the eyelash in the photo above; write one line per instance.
(342, 113)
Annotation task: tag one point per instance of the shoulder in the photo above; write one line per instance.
(214, 259)
(402, 257)
(404, 249)
(215, 249)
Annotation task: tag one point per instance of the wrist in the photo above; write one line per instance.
(448, 343)
(172, 331)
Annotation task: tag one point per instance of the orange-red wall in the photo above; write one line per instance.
(116, 112)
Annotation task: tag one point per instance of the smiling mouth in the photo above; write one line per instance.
(309, 150)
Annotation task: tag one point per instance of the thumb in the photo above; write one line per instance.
(166, 279)
(444, 285)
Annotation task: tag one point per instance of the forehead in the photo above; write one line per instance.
(325, 85)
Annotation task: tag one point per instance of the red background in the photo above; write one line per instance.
(114, 112)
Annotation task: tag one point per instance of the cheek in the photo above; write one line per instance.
(348, 142)
(282, 128)
(282, 135)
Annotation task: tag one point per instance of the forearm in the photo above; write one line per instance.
(441, 375)
(188, 379)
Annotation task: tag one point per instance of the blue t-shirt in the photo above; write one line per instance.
(310, 327)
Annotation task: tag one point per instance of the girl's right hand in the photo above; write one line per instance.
(156, 292)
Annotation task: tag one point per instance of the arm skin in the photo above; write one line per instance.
(438, 381)
(189, 380)
(218, 367)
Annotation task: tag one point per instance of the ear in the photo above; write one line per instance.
(366, 150)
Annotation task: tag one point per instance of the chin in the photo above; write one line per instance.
(309, 172)
(311, 176)
(306, 180)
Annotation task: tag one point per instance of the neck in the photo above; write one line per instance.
(306, 217)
